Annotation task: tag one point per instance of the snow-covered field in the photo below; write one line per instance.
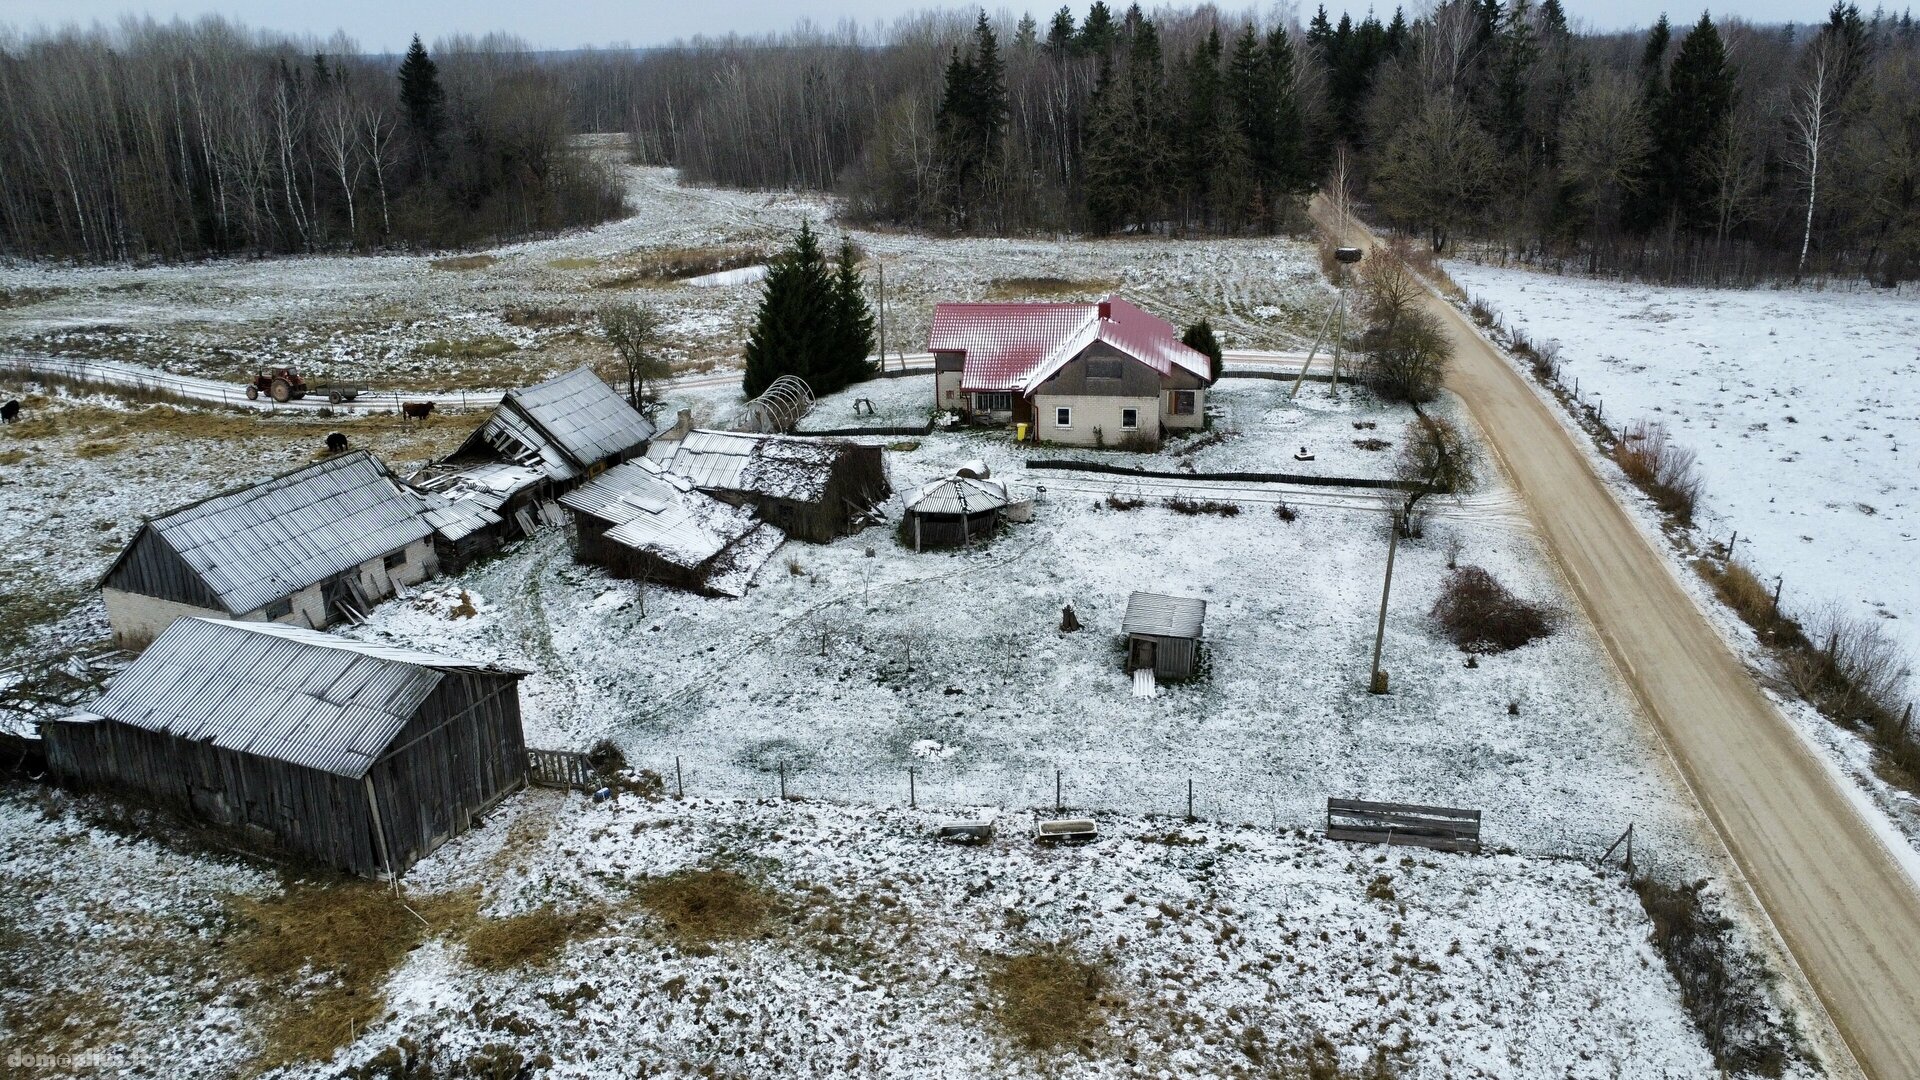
(518, 313)
(1220, 951)
(1803, 406)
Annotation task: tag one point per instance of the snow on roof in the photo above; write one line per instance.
(648, 514)
(283, 692)
(254, 546)
(1164, 616)
(1017, 346)
(958, 495)
(776, 466)
(564, 426)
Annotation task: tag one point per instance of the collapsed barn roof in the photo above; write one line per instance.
(283, 692)
(564, 427)
(1018, 346)
(775, 466)
(248, 548)
(649, 512)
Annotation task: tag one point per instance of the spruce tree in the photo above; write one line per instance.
(1060, 32)
(423, 101)
(794, 328)
(1106, 171)
(1699, 103)
(1200, 338)
(1199, 135)
(1026, 34)
(1518, 51)
(849, 361)
(1098, 33)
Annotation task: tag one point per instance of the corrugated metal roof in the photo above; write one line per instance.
(1164, 616)
(254, 546)
(282, 692)
(1016, 346)
(685, 528)
(583, 416)
(959, 495)
(774, 465)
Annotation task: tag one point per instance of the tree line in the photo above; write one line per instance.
(1713, 151)
(177, 141)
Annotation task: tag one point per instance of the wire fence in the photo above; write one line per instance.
(148, 382)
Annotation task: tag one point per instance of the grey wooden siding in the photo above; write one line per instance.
(151, 567)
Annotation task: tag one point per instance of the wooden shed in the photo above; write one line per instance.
(358, 756)
(1164, 633)
(638, 522)
(811, 488)
(955, 511)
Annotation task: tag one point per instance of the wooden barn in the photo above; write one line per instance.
(638, 522)
(310, 547)
(811, 488)
(956, 511)
(541, 441)
(1163, 634)
(357, 756)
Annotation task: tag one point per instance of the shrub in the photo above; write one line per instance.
(1481, 616)
(1741, 590)
(1722, 985)
(1664, 471)
(1285, 512)
(1123, 502)
(1196, 507)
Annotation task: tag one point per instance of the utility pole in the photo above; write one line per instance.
(1377, 683)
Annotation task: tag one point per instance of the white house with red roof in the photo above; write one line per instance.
(1099, 374)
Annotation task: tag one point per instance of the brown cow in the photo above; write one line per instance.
(416, 410)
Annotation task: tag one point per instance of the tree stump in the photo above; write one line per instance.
(1069, 622)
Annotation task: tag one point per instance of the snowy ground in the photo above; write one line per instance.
(524, 311)
(1223, 951)
(1803, 406)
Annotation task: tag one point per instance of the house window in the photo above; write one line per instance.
(397, 560)
(1063, 417)
(993, 402)
(279, 609)
(1129, 419)
(949, 395)
(1103, 369)
(1183, 402)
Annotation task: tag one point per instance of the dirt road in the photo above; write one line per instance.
(1846, 909)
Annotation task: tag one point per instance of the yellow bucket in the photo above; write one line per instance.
(1019, 433)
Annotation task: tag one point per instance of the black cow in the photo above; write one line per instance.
(416, 410)
(336, 442)
(10, 411)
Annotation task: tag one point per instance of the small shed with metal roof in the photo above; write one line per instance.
(1164, 633)
(311, 547)
(812, 488)
(355, 755)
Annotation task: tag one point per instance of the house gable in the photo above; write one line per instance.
(150, 566)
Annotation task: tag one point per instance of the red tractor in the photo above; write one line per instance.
(280, 384)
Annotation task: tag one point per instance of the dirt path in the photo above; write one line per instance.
(1844, 906)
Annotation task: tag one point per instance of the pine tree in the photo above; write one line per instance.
(1026, 33)
(1149, 128)
(1098, 33)
(1200, 134)
(849, 359)
(1106, 172)
(1518, 51)
(1060, 32)
(424, 102)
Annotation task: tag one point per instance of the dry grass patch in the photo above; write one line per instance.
(1743, 591)
(664, 266)
(573, 262)
(1663, 470)
(541, 317)
(12, 457)
(528, 939)
(321, 954)
(464, 262)
(708, 905)
(485, 347)
(1027, 288)
(1049, 998)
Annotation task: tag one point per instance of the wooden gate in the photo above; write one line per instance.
(561, 769)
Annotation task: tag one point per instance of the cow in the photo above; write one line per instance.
(336, 442)
(416, 410)
(10, 411)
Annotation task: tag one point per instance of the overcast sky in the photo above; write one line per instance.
(385, 25)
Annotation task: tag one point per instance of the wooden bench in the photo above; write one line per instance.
(1440, 827)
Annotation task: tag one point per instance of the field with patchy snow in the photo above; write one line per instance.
(515, 314)
(1803, 406)
(833, 940)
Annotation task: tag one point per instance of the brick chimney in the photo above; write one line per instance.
(1106, 310)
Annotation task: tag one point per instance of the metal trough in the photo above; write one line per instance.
(1064, 830)
(966, 830)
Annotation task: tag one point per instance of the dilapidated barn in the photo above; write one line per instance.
(640, 523)
(1163, 633)
(540, 441)
(812, 488)
(358, 756)
(311, 547)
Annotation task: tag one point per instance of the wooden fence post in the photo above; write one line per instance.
(1778, 584)
(679, 788)
(1058, 805)
(783, 780)
(913, 800)
(1189, 798)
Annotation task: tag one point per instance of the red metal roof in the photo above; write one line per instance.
(1016, 346)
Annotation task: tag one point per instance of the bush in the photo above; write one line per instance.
(1722, 985)
(1196, 507)
(1741, 590)
(1285, 512)
(1664, 471)
(1481, 616)
(1122, 502)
